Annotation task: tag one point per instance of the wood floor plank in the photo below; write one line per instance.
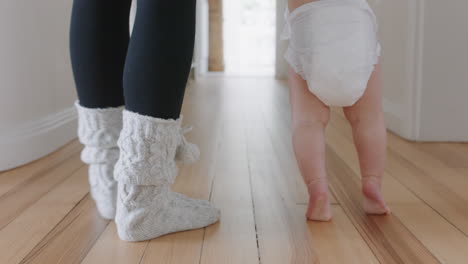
(462, 171)
(23, 234)
(11, 178)
(109, 249)
(183, 247)
(437, 195)
(200, 112)
(233, 239)
(282, 231)
(340, 236)
(28, 192)
(401, 200)
(429, 179)
(275, 115)
(434, 168)
(72, 238)
(453, 155)
(446, 242)
(387, 236)
(284, 234)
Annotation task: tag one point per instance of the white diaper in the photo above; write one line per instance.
(333, 46)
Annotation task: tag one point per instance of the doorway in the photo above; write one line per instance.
(249, 37)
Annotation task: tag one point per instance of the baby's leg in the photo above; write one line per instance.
(309, 119)
(367, 121)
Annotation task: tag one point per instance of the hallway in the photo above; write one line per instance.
(247, 168)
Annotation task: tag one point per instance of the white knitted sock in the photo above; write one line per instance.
(146, 207)
(187, 152)
(98, 130)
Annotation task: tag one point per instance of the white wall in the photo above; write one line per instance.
(424, 68)
(281, 67)
(444, 107)
(201, 52)
(36, 84)
(397, 29)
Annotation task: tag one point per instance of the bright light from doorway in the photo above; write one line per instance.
(249, 37)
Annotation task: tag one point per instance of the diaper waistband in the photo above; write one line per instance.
(324, 3)
(288, 16)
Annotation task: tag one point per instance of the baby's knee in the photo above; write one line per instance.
(312, 121)
(357, 116)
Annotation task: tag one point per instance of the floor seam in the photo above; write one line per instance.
(252, 196)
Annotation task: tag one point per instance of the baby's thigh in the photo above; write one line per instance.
(305, 106)
(370, 104)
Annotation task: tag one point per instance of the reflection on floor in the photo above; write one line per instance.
(247, 168)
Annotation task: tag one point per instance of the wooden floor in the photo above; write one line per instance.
(247, 169)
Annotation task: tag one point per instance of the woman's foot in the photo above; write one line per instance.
(373, 202)
(319, 201)
(146, 206)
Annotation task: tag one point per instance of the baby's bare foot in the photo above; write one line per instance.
(373, 201)
(319, 201)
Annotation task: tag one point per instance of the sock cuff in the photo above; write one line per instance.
(99, 127)
(147, 150)
(147, 126)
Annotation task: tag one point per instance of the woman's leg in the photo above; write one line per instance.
(98, 46)
(370, 137)
(309, 119)
(159, 57)
(156, 72)
(99, 36)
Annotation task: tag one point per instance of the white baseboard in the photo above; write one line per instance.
(33, 140)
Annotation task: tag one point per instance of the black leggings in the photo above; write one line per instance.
(147, 73)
